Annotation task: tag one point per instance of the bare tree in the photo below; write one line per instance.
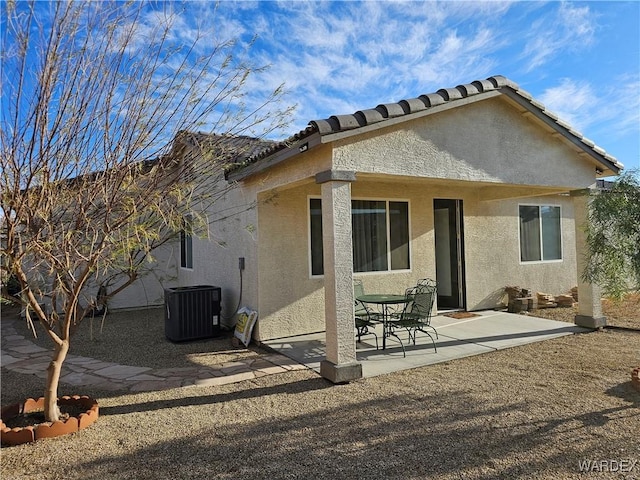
(99, 99)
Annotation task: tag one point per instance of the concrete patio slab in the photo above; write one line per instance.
(457, 338)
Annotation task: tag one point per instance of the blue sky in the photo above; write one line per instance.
(581, 59)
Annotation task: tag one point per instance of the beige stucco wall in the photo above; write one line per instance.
(148, 290)
(292, 302)
(484, 151)
(233, 233)
(492, 251)
(488, 141)
(240, 220)
(486, 154)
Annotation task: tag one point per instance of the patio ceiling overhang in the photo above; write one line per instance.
(485, 191)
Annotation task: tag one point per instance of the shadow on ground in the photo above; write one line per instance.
(446, 435)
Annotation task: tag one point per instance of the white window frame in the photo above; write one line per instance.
(387, 200)
(541, 236)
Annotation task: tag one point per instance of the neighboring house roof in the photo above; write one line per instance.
(339, 126)
(226, 149)
(603, 184)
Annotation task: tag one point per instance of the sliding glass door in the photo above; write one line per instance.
(447, 217)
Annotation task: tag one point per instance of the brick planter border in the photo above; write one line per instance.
(17, 436)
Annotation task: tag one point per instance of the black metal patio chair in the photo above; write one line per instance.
(365, 319)
(427, 282)
(416, 316)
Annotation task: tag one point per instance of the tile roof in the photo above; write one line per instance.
(229, 149)
(388, 111)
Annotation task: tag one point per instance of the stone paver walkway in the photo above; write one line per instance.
(20, 355)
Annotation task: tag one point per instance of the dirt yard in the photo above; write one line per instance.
(624, 313)
(559, 409)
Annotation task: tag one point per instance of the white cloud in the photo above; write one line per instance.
(577, 21)
(625, 108)
(612, 110)
(572, 100)
(566, 29)
(339, 57)
(357, 54)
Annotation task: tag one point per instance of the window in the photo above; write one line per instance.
(540, 233)
(380, 232)
(186, 244)
(317, 259)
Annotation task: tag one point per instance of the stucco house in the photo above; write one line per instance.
(477, 186)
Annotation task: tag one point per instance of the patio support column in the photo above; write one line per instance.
(340, 365)
(589, 294)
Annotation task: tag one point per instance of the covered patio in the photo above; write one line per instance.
(484, 332)
(476, 187)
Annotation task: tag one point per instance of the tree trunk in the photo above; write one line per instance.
(51, 410)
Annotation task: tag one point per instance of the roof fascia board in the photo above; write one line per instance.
(296, 148)
(332, 137)
(563, 132)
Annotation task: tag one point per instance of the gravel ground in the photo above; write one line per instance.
(535, 411)
(624, 313)
(137, 338)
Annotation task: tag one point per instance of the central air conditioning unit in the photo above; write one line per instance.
(192, 313)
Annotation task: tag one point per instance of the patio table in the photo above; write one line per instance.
(384, 300)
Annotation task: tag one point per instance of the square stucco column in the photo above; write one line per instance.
(589, 294)
(340, 365)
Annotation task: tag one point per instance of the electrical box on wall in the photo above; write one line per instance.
(241, 263)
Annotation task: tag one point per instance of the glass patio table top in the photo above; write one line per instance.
(382, 298)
